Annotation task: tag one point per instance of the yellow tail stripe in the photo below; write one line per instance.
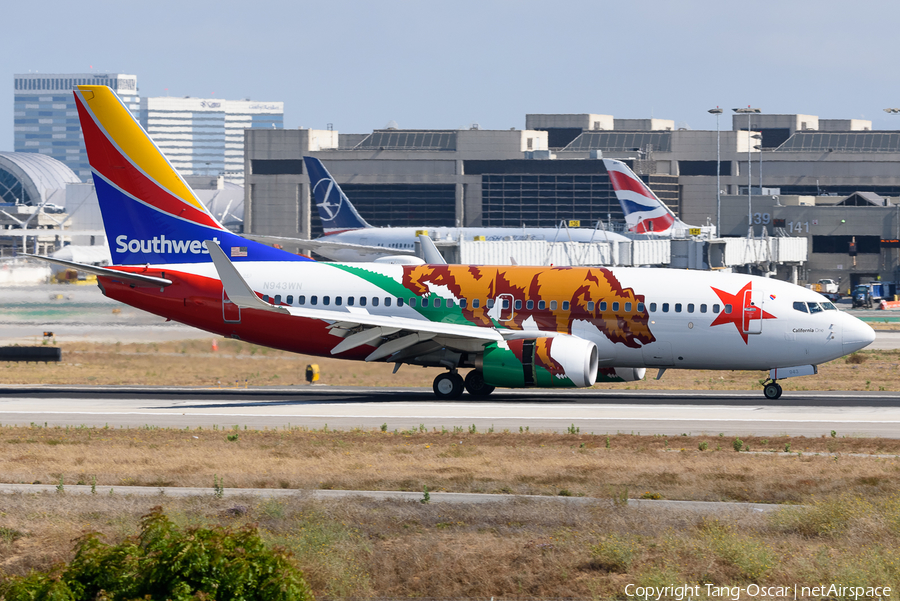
(134, 141)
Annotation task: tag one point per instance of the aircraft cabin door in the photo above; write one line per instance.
(752, 312)
(231, 313)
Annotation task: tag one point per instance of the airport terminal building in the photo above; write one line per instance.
(799, 171)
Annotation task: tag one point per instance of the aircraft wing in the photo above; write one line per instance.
(360, 326)
(323, 244)
(136, 278)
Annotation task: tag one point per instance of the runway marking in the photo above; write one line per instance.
(433, 417)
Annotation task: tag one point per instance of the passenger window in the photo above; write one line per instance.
(350, 301)
(387, 301)
(703, 308)
(424, 302)
(490, 303)
(690, 307)
(506, 303)
(716, 308)
(542, 305)
(462, 303)
(640, 307)
(337, 300)
(665, 307)
(362, 301)
(374, 301)
(326, 300)
(265, 298)
(565, 305)
(529, 305)
(518, 305)
(553, 305)
(628, 307)
(475, 303)
(412, 302)
(290, 299)
(591, 306)
(399, 302)
(727, 309)
(277, 299)
(449, 303)
(313, 300)
(653, 307)
(603, 306)
(615, 307)
(301, 300)
(678, 307)
(814, 307)
(800, 306)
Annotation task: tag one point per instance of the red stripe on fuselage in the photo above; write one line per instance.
(197, 301)
(111, 164)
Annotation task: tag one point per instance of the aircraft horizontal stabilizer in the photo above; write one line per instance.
(237, 289)
(135, 278)
(320, 244)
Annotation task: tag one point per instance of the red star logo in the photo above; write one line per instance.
(743, 311)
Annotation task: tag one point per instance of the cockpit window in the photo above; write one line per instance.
(801, 306)
(828, 306)
(814, 307)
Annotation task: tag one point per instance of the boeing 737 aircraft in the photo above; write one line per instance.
(348, 237)
(644, 212)
(511, 327)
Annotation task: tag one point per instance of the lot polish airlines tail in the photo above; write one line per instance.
(150, 213)
(335, 210)
(644, 212)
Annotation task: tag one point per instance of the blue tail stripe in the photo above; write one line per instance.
(138, 234)
(335, 209)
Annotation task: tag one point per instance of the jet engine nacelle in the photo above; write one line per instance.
(560, 361)
(621, 374)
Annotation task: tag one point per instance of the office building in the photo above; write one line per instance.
(46, 119)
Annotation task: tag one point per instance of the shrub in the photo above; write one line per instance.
(703, 445)
(164, 562)
(615, 553)
(738, 444)
(856, 359)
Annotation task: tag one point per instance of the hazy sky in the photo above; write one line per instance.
(359, 65)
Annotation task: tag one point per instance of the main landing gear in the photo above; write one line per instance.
(772, 390)
(450, 385)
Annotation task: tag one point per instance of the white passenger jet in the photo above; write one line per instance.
(348, 237)
(514, 327)
(644, 212)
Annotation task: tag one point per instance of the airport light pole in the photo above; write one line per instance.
(717, 111)
(749, 111)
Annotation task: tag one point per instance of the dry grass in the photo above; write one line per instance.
(518, 549)
(192, 363)
(513, 463)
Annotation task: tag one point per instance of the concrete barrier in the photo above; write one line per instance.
(888, 305)
(30, 353)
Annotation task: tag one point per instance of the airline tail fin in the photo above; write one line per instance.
(150, 214)
(644, 212)
(335, 209)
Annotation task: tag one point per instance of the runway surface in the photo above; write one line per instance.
(591, 411)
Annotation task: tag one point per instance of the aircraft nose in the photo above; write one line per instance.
(857, 335)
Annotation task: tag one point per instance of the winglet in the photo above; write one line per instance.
(238, 290)
(430, 254)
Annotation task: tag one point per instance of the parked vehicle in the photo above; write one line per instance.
(827, 286)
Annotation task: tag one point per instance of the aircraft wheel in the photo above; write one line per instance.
(448, 386)
(476, 385)
(772, 391)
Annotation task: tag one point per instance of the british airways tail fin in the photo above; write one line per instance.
(644, 212)
(149, 212)
(335, 210)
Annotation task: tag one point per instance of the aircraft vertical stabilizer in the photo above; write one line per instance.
(335, 209)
